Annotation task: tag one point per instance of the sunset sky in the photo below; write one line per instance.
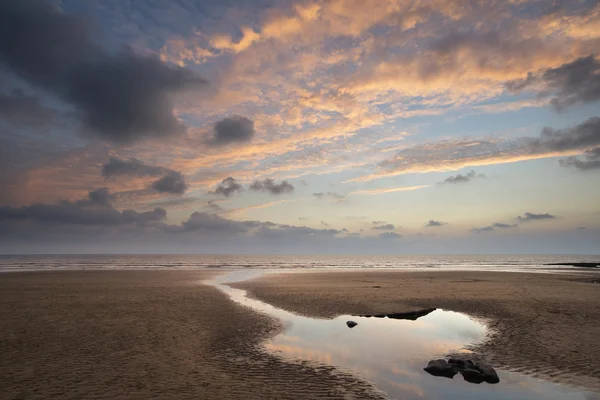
(267, 126)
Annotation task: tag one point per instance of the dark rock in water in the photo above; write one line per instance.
(458, 362)
(488, 372)
(440, 368)
(376, 286)
(471, 372)
(351, 324)
(472, 375)
(411, 315)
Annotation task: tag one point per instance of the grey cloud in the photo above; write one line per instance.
(228, 187)
(389, 235)
(212, 223)
(324, 223)
(96, 209)
(236, 129)
(174, 184)
(269, 185)
(586, 134)
(385, 227)
(377, 222)
(500, 225)
(132, 167)
(432, 223)
(170, 181)
(463, 178)
(333, 196)
(493, 227)
(577, 82)
(591, 160)
(19, 108)
(122, 97)
(534, 217)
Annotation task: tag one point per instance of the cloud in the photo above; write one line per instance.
(96, 209)
(469, 176)
(174, 184)
(170, 181)
(375, 192)
(493, 227)
(591, 160)
(389, 235)
(534, 217)
(336, 197)
(228, 187)
(19, 108)
(386, 227)
(577, 82)
(581, 136)
(122, 97)
(269, 185)
(433, 223)
(236, 129)
(448, 155)
(133, 167)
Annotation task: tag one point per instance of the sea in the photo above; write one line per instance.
(522, 263)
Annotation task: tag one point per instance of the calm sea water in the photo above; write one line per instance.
(534, 263)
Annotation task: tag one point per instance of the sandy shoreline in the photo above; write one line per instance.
(163, 334)
(546, 325)
(143, 335)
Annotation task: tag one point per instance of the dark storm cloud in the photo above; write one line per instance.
(269, 185)
(170, 181)
(385, 227)
(228, 187)
(590, 160)
(573, 83)
(122, 97)
(19, 108)
(534, 217)
(469, 176)
(389, 235)
(331, 195)
(493, 227)
(432, 223)
(236, 129)
(96, 209)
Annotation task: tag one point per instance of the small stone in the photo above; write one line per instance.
(440, 368)
(351, 324)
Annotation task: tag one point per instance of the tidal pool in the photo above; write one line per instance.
(391, 353)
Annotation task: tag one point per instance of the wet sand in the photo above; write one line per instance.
(144, 335)
(546, 325)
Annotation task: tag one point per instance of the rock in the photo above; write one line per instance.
(456, 361)
(488, 372)
(351, 324)
(472, 375)
(440, 368)
(376, 286)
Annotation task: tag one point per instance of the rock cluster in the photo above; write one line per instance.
(472, 372)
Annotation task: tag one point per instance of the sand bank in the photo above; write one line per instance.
(542, 324)
(143, 335)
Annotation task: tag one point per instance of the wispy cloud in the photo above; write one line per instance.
(375, 192)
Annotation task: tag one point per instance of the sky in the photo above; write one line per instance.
(277, 126)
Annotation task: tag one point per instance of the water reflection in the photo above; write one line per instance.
(391, 353)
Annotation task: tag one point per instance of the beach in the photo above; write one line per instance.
(143, 335)
(542, 324)
(164, 334)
